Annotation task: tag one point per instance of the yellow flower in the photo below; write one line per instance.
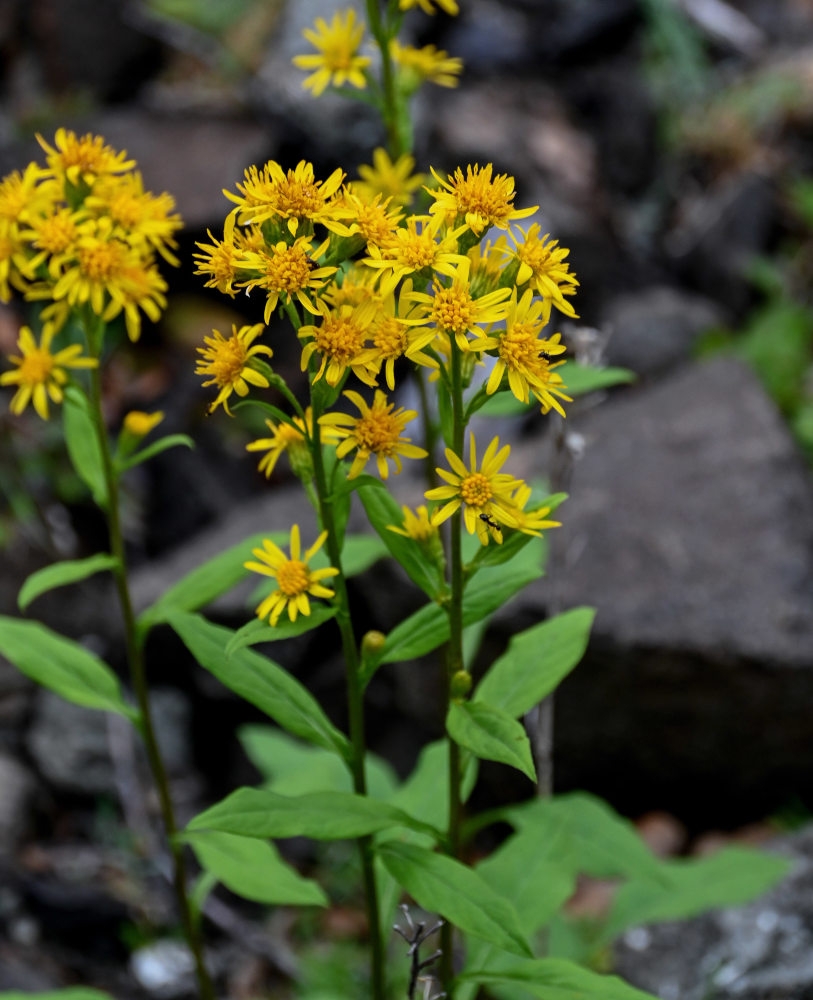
(395, 335)
(479, 198)
(140, 287)
(372, 218)
(392, 180)
(416, 251)
(295, 579)
(357, 286)
(286, 271)
(139, 424)
(341, 340)
(542, 263)
(295, 196)
(82, 159)
(39, 373)
(336, 61)
(228, 361)
(426, 64)
(417, 526)
(376, 432)
(144, 218)
(484, 493)
(290, 438)
(53, 236)
(21, 194)
(220, 259)
(520, 351)
(455, 311)
(450, 6)
(531, 522)
(99, 260)
(13, 263)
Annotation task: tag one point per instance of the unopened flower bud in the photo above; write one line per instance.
(371, 644)
(460, 685)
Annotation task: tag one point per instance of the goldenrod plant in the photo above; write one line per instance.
(458, 297)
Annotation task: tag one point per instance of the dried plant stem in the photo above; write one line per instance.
(138, 677)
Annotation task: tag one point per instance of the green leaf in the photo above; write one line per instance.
(536, 661)
(209, 580)
(258, 680)
(83, 444)
(62, 573)
(162, 444)
(254, 870)
(360, 552)
(428, 627)
(730, 877)
(62, 666)
(446, 418)
(442, 885)
(255, 812)
(72, 993)
(383, 510)
(555, 979)
(291, 767)
(425, 793)
(258, 630)
(491, 734)
(604, 844)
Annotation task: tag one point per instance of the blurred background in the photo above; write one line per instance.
(669, 145)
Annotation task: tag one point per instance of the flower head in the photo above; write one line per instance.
(295, 579)
(82, 159)
(142, 216)
(286, 271)
(484, 493)
(139, 424)
(341, 340)
(39, 373)
(531, 522)
(542, 264)
(400, 329)
(287, 437)
(228, 361)
(289, 197)
(479, 197)
(414, 251)
(376, 432)
(392, 180)
(417, 526)
(336, 60)
(427, 64)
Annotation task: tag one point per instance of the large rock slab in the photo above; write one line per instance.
(689, 529)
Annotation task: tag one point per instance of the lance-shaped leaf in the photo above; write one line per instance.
(71, 993)
(425, 793)
(254, 870)
(62, 665)
(162, 444)
(383, 511)
(255, 812)
(83, 444)
(535, 662)
(491, 734)
(442, 885)
(258, 680)
(258, 630)
(62, 573)
(428, 627)
(555, 979)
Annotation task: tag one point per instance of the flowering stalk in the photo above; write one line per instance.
(94, 329)
(454, 654)
(398, 136)
(355, 696)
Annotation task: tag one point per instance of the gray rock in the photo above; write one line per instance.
(763, 951)
(17, 788)
(689, 529)
(654, 329)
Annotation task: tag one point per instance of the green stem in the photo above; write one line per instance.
(355, 696)
(454, 657)
(138, 677)
(390, 110)
(430, 434)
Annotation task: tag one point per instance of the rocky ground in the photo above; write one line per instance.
(691, 511)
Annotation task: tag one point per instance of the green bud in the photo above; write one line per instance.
(460, 685)
(371, 644)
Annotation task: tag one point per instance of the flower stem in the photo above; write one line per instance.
(454, 657)
(430, 435)
(138, 679)
(355, 707)
(390, 111)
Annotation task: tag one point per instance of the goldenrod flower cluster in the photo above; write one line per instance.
(81, 235)
(372, 291)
